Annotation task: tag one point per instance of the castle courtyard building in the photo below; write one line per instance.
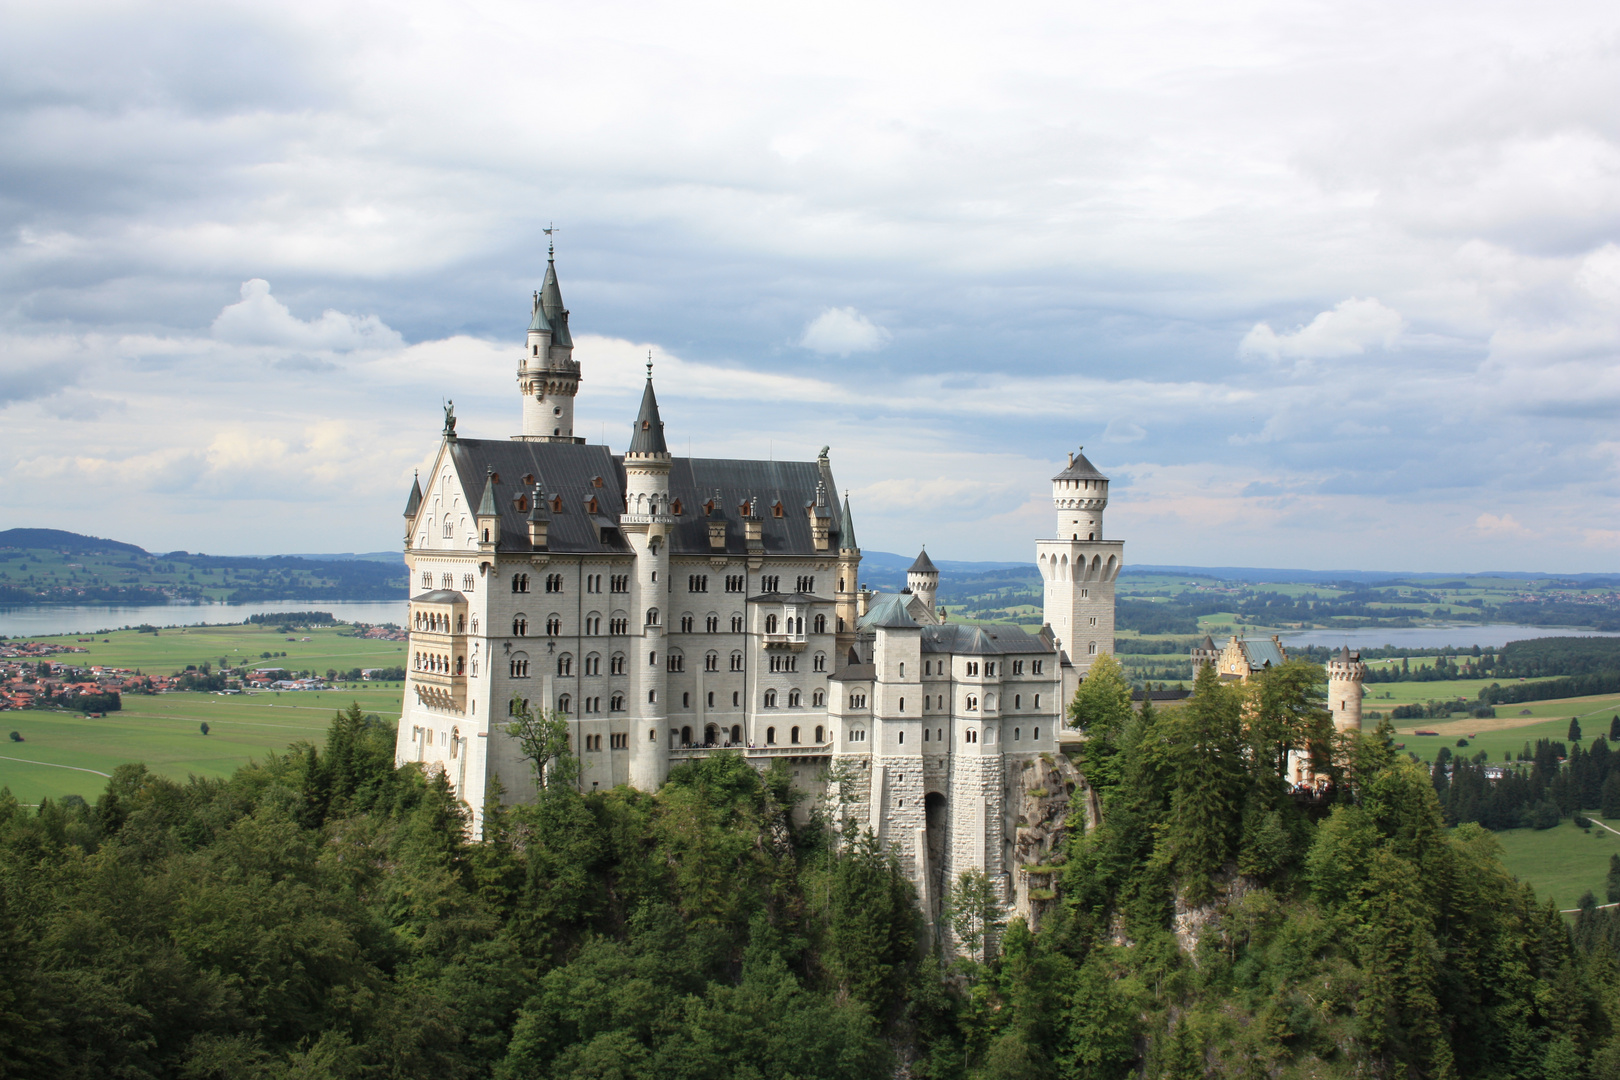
(675, 607)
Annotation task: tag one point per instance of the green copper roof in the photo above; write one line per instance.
(486, 505)
(538, 321)
(413, 501)
(846, 534)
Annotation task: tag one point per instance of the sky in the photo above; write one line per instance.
(1317, 285)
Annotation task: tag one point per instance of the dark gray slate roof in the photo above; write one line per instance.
(855, 673)
(552, 306)
(647, 437)
(567, 472)
(787, 598)
(923, 565)
(846, 540)
(1080, 469)
(413, 501)
(440, 596)
(981, 640)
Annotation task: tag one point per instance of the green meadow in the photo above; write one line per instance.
(1561, 863)
(66, 753)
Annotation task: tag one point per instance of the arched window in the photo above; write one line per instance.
(1037, 734)
(902, 704)
(520, 626)
(652, 616)
(793, 699)
(565, 704)
(1017, 734)
(770, 624)
(553, 625)
(770, 736)
(770, 699)
(565, 664)
(972, 703)
(1018, 703)
(519, 664)
(616, 703)
(902, 737)
(970, 736)
(712, 624)
(793, 735)
(711, 661)
(736, 734)
(593, 664)
(821, 624)
(1092, 649)
(1037, 705)
(736, 624)
(820, 663)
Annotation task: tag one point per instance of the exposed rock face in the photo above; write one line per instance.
(1042, 795)
(1192, 923)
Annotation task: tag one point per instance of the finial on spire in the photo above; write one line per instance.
(649, 365)
(551, 244)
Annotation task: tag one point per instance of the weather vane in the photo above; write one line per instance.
(551, 245)
(649, 364)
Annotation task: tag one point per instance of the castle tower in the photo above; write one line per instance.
(646, 523)
(923, 580)
(548, 375)
(1345, 672)
(1079, 567)
(849, 573)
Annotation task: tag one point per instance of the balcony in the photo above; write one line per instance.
(440, 690)
(695, 753)
(795, 642)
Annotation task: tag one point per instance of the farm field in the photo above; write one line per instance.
(1508, 731)
(171, 650)
(1561, 863)
(66, 753)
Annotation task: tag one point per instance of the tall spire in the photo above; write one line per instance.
(648, 436)
(486, 505)
(413, 501)
(551, 303)
(846, 536)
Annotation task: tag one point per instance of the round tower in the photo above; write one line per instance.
(548, 376)
(1080, 493)
(646, 524)
(923, 580)
(1345, 673)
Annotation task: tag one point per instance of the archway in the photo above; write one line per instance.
(711, 735)
(686, 736)
(936, 821)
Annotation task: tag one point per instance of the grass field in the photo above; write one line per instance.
(1562, 862)
(66, 754)
(1509, 731)
(171, 650)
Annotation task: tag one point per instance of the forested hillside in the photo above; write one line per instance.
(318, 915)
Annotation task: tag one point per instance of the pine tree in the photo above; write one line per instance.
(1614, 729)
(1574, 729)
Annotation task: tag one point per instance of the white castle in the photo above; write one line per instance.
(675, 607)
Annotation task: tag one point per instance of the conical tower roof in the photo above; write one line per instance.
(846, 534)
(648, 437)
(537, 318)
(551, 305)
(413, 501)
(923, 565)
(486, 505)
(1080, 469)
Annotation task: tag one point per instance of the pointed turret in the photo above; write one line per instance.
(551, 305)
(923, 565)
(548, 376)
(923, 579)
(413, 501)
(489, 518)
(846, 530)
(648, 437)
(538, 323)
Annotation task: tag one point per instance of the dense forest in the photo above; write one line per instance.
(319, 915)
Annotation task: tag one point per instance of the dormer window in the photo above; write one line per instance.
(596, 481)
(676, 508)
(646, 425)
(776, 511)
(591, 506)
(556, 504)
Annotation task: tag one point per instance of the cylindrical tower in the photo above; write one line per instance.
(646, 523)
(548, 376)
(923, 580)
(1345, 673)
(1080, 493)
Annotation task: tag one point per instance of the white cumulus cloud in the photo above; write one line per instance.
(1348, 330)
(841, 331)
(260, 319)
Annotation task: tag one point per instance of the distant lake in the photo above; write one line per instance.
(34, 621)
(1485, 635)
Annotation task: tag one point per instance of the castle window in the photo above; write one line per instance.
(616, 703)
(565, 704)
(736, 582)
(970, 736)
(711, 699)
(620, 583)
(686, 701)
(1037, 733)
(857, 701)
(565, 664)
(520, 667)
(711, 662)
(1035, 667)
(972, 703)
(619, 625)
(736, 661)
(776, 511)
(1037, 705)
(520, 626)
(793, 736)
(686, 624)
(517, 706)
(1091, 649)
(902, 741)
(593, 624)
(1016, 734)
(652, 616)
(697, 582)
(553, 625)
(734, 699)
(818, 698)
(486, 536)
(770, 736)
(1018, 667)
(593, 664)
(652, 697)
(676, 508)
(616, 664)
(902, 704)
(554, 583)
(821, 624)
(989, 669)
(1018, 702)
(925, 734)
(770, 699)
(676, 661)
(902, 669)
(770, 624)
(712, 624)
(736, 624)
(793, 701)
(427, 580)
(820, 662)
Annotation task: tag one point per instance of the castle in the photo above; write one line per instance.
(674, 607)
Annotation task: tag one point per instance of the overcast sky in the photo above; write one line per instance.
(1317, 285)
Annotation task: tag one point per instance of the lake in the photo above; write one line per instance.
(1485, 635)
(34, 621)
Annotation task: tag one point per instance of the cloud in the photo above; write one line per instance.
(260, 319)
(841, 331)
(1503, 525)
(1352, 327)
